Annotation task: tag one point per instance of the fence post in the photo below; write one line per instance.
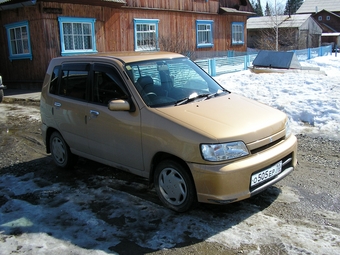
(212, 67)
(308, 53)
(246, 61)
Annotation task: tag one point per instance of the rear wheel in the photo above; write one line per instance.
(1, 95)
(174, 186)
(60, 151)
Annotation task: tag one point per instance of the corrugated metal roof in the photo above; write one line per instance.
(282, 21)
(312, 6)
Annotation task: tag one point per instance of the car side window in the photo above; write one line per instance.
(54, 80)
(106, 85)
(74, 79)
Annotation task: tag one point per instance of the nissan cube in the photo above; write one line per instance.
(160, 116)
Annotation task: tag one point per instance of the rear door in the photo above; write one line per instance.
(113, 136)
(70, 103)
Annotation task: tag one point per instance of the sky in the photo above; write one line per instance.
(64, 223)
(279, 3)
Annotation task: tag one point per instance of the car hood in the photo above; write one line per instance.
(228, 118)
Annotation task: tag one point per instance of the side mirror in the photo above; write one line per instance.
(119, 105)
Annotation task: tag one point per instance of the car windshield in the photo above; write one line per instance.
(172, 82)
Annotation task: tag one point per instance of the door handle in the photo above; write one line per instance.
(57, 104)
(94, 113)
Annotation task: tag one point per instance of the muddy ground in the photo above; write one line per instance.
(315, 186)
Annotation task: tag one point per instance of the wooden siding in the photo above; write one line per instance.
(329, 21)
(210, 6)
(114, 30)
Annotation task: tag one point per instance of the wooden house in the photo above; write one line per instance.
(294, 32)
(34, 31)
(327, 14)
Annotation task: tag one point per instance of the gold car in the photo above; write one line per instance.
(159, 116)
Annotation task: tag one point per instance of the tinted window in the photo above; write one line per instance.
(54, 80)
(107, 85)
(73, 82)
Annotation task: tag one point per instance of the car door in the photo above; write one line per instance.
(113, 136)
(69, 105)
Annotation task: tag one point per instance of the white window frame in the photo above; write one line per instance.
(19, 41)
(237, 33)
(146, 34)
(328, 18)
(320, 18)
(204, 34)
(83, 22)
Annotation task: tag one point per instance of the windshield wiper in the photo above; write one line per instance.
(195, 96)
(218, 93)
(190, 98)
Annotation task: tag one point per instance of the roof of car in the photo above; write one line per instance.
(128, 56)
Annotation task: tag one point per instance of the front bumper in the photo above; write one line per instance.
(230, 182)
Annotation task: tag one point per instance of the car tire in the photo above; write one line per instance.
(174, 186)
(1, 95)
(60, 151)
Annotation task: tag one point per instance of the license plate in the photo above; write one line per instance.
(266, 174)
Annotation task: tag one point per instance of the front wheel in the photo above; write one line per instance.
(60, 151)
(174, 186)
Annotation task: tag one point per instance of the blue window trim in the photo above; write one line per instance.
(232, 33)
(23, 55)
(62, 20)
(205, 45)
(144, 21)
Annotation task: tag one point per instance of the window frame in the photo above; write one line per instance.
(234, 33)
(209, 44)
(9, 27)
(153, 22)
(82, 21)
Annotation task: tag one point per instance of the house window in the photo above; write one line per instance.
(237, 31)
(328, 17)
(146, 34)
(77, 35)
(18, 37)
(320, 18)
(204, 35)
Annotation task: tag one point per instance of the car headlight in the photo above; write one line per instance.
(288, 129)
(224, 151)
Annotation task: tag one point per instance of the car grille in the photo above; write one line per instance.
(267, 146)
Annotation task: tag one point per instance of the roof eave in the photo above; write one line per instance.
(8, 5)
(231, 11)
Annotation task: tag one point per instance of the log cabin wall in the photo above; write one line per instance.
(114, 31)
(206, 6)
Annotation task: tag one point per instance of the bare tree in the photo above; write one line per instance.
(269, 38)
(168, 43)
